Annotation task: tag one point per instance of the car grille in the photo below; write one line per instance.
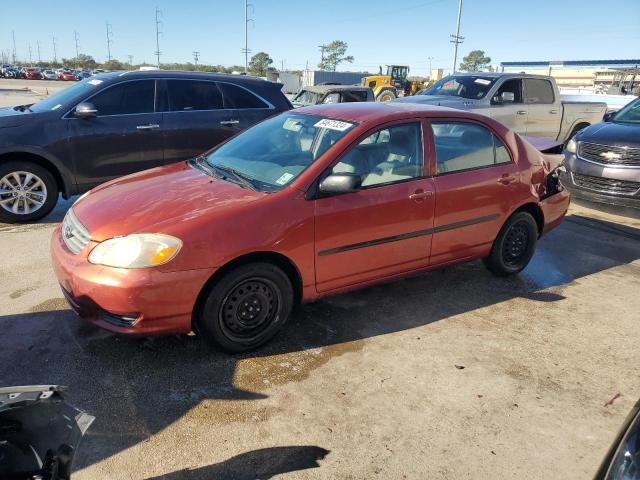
(606, 185)
(609, 155)
(75, 236)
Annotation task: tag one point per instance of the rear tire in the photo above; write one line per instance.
(385, 96)
(28, 192)
(514, 246)
(246, 307)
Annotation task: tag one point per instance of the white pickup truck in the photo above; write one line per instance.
(528, 104)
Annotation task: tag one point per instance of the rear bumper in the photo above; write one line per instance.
(135, 302)
(554, 209)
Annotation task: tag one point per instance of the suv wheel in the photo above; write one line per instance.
(28, 192)
(514, 246)
(246, 307)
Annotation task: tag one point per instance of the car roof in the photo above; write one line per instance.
(334, 88)
(500, 75)
(364, 112)
(135, 74)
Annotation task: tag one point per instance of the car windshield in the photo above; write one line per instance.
(305, 97)
(629, 114)
(464, 86)
(54, 102)
(275, 152)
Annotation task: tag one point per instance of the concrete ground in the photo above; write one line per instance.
(450, 374)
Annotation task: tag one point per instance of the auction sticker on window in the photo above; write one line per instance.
(482, 81)
(95, 81)
(284, 178)
(333, 124)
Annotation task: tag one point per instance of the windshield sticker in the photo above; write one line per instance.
(292, 124)
(284, 178)
(95, 81)
(482, 81)
(55, 107)
(333, 125)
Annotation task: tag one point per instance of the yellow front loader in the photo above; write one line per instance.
(392, 85)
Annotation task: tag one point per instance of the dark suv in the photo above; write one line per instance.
(118, 123)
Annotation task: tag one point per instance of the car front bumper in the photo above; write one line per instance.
(129, 301)
(614, 185)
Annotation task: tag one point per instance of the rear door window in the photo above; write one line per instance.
(126, 98)
(538, 90)
(192, 95)
(236, 97)
(357, 96)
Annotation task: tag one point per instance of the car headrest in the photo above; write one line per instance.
(476, 138)
(401, 143)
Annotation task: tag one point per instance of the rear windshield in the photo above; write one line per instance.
(465, 86)
(305, 98)
(275, 152)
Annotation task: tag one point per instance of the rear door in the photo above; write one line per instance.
(244, 108)
(476, 181)
(124, 137)
(545, 114)
(194, 118)
(513, 114)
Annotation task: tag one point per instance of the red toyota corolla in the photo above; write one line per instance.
(308, 203)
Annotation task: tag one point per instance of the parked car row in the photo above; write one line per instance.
(36, 73)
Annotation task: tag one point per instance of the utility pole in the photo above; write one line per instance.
(77, 40)
(13, 32)
(456, 39)
(158, 32)
(282, 65)
(55, 54)
(30, 60)
(246, 50)
(429, 58)
(130, 57)
(196, 55)
(38, 45)
(109, 41)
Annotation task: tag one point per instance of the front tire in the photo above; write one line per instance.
(28, 192)
(385, 96)
(246, 307)
(514, 246)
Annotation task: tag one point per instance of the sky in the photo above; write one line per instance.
(378, 32)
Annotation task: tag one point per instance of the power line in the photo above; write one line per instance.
(109, 41)
(158, 33)
(456, 39)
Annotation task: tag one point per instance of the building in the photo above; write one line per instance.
(603, 76)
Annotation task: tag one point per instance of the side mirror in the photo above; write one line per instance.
(86, 110)
(607, 116)
(339, 183)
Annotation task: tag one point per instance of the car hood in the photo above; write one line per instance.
(160, 200)
(12, 117)
(612, 133)
(440, 100)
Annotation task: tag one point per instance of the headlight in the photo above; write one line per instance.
(140, 250)
(572, 146)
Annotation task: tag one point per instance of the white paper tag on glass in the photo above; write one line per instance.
(482, 81)
(284, 178)
(55, 107)
(292, 124)
(95, 81)
(333, 124)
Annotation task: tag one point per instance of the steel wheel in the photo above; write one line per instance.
(516, 244)
(22, 193)
(249, 308)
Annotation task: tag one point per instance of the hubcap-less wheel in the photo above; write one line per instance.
(22, 193)
(516, 244)
(249, 308)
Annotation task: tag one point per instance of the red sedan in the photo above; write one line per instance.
(33, 74)
(309, 203)
(67, 76)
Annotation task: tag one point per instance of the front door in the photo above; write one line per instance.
(385, 227)
(124, 137)
(475, 183)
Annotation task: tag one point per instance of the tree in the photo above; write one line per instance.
(259, 64)
(82, 61)
(114, 64)
(333, 55)
(475, 61)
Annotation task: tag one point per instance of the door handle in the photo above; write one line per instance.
(150, 126)
(553, 111)
(506, 179)
(420, 195)
(229, 122)
(521, 112)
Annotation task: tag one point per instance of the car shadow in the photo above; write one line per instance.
(263, 464)
(138, 387)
